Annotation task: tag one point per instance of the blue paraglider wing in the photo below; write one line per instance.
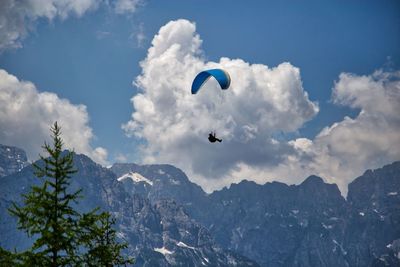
(220, 75)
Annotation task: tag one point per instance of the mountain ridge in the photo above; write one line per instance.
(275, 224)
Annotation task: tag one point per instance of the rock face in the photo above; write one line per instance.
(373, 230)
(12, 160)
(164, 235)
(280, 225)
(162, 181)
(159, 232)
(311, 224)
(169, 221)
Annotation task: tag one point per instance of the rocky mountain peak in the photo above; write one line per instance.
(315, 187)
(376, 187)
(313, 180)
(170, 221)
(12, 159)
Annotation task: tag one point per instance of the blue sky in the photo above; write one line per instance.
(93, 58)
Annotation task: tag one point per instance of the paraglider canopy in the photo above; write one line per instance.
(220, 75)
(224, 81)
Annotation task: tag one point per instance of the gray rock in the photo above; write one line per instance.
(12, 160)
(159, 232)
(169, 221)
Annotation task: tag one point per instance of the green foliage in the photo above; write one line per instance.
(6, 258)
(47, 213)
(63, 236)
(103, 250)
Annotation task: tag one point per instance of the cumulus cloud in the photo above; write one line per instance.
(26, 116)
(345, 149)
(261, 104)
(254, 115)
(18, 17)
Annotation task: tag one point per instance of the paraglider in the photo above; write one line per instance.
(212, 138)
(224, 81)
(220, 75)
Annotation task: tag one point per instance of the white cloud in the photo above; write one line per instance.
(260, 103)
(121, 158)
(126, 6)
(26, 116)
(344, 150)
(99, 154)
(18, 17)
(140, 36)
(347, 148)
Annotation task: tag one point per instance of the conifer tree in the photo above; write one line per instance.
(100, 241)
(62, 236)
(47, 214)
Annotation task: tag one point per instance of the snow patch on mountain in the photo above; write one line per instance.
(163, 251)
(344, 252)
(183, 245)
(135, 177)
(174, 182)
(327, 226)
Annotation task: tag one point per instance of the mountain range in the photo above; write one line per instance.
(169, 221)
